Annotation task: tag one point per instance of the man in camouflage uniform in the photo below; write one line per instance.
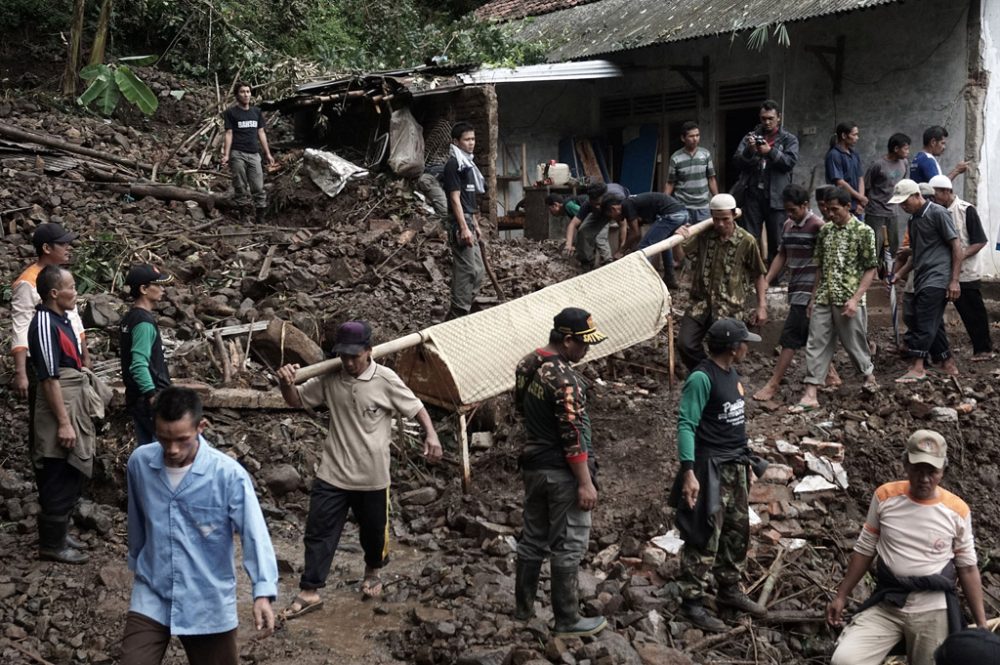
(558, 471)
(725, 262)
(711, 489)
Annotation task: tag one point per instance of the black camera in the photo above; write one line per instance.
(757, 135)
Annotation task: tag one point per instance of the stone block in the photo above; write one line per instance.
(770, 493)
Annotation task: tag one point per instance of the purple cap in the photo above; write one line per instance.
(352, 338)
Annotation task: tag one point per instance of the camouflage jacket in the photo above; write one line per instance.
(551, 397)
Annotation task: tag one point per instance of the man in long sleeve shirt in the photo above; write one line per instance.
(144, 368)
(556, 465)
(923, 537)
(712, 486)
(185, 501)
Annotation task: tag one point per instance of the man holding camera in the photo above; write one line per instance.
(765, 159)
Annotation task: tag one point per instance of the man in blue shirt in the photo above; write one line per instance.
(843, 166)
(185, 501)
(925, 165)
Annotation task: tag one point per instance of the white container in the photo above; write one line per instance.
(558, 174)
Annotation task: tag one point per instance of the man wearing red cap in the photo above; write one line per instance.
(923, 537)
(353, 472)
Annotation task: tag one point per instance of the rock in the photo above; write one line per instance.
(282, 479)
(587, 584)
(770, 493)
(617, 647)
(419, 497)
(630, 546)
(830, 449)
(555, 649)
(605, 557)
(481, 440)
(115, 576)
(103, 311)
(445, 629)
(7, 589)
(422, 614)
(90, 515)
(15, 632)
(283, 342)
(483, 657)
(653, 556)
(781, 474)
(480, 528)
(943, 414)
(651, 653)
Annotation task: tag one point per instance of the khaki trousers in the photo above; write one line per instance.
(871, 635)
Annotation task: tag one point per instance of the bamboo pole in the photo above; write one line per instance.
(674, 240)
(463, 444)
(334, 364)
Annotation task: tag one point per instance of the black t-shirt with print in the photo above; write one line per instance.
(244, 124)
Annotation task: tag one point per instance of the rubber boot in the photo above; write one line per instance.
(566, 606)
(71, 541)
(52, 541)
(455, 313)
(259, 214)
(525, 588)
(695, 612)
(668, 271)
(732, 596)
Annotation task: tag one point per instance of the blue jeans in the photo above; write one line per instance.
(663, 227)
(696, 215)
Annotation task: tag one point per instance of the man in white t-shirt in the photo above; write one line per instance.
(922, 534)
(353, 472)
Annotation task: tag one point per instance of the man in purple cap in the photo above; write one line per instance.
(354, 466)
(144, 367)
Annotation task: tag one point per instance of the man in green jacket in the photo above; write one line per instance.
(144, 367)
(711, 489)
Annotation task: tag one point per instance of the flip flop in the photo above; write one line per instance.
(982, 357)
(910, 378)
(371, 587)
(802, 408)
(305, 607)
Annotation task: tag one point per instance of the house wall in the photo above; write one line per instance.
(988, 202)
(905, 68)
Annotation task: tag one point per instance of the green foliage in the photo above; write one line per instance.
(33, 17)
(759, 36)
(97, 265)
(109, 83)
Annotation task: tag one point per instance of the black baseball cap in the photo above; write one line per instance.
(578, 323)
(730, 331)
(353, 337)
(142, 275)
(51, 233)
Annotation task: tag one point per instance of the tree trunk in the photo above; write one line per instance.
(73, 59)
(101, 38)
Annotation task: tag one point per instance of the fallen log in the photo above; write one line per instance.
(226, 398)
(206, 200)
(18, 134)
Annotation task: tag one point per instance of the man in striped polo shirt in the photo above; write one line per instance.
(691, 175)
(796, 252)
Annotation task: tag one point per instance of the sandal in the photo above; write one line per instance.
(371, 587)
(802, 408)
(911, 378)
(304, 607)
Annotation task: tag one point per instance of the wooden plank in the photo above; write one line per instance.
(228, 398)
(463, 443)
(589, 160)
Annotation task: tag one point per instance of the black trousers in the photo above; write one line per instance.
(328, 506)
(759, 217)
(146, 642)
(690, 338)
(971, 308)
(927, 337)
(142, 420)
(59, 486)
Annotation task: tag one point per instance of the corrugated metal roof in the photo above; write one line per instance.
(585, 69)
(608, 26)
(508, 10)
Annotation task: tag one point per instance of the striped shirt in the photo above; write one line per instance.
(917, 538)
(52, 343)
(689, 174)
(798, 245)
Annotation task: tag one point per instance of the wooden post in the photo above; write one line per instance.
(524, 165)
(463, 444)
(671, 381)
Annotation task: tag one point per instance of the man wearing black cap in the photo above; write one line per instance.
(354, 465)
(557, 466)
(711, 489)
(922, 534)
(52, 246)
(144, 367)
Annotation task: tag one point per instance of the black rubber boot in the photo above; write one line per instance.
(455, 313)
(566, 606)
(732, 596)
(52, 541)
(71, 541)
(668, 272)
(525, 588)
(695, 612)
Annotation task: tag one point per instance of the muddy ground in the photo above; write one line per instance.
(376, 252)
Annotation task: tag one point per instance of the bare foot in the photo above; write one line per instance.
(833, 379)
(949, 367)
(766, 393)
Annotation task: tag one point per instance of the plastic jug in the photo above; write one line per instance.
(558, 174)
